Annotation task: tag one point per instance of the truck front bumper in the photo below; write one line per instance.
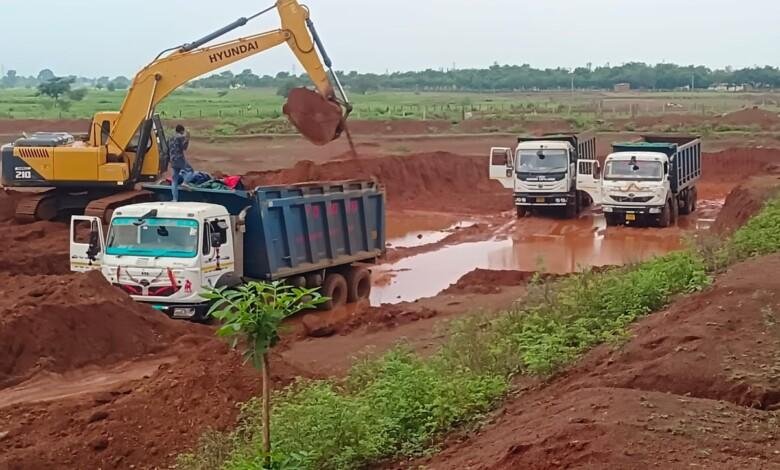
(543, 200)
(643, 210)
(194, 312)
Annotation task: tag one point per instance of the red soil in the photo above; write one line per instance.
(61, 323)
(745, 201)
(436, 181)
(752, 116)
(486, 281)
(687, 390)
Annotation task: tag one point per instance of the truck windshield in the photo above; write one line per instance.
(176, 238)
(547, 161)
(639, 170)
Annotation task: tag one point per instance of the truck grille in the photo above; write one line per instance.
(154, 291)
(632, 199)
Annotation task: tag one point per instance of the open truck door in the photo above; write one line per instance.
(502, 166)
(589, 179)
(87, 244)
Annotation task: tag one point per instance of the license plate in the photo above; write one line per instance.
(630, 216)
(539, 199)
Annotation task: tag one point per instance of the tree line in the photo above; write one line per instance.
(521, 77)
(637, 75)
(13, 80)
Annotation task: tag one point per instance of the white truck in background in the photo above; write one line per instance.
(651, 180)
(543, 172)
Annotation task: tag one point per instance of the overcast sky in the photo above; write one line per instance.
(93, 38)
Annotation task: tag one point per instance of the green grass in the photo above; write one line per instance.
(401, 405)
(242, 106)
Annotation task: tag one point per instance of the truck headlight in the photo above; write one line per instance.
(655, 210)
(606, 209)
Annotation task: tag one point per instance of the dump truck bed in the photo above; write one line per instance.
(303, 228)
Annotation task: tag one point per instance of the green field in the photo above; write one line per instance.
(258, 110)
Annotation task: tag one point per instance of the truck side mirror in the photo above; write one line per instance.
(216, 239)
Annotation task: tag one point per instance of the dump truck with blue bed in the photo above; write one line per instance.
(164, 253)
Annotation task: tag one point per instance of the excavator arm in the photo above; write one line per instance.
(164, 75)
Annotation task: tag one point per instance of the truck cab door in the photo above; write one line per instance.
(87, 244)
(502, 166)
(589, 179)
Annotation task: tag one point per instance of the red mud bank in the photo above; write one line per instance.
(136, 387)
(487, 281)
(437, 181)
(745, 201)
(61, 323)
(695, 386)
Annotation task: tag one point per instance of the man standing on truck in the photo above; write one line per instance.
(181, 170)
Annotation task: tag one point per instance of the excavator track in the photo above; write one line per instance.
(42, 206)
(104, 207)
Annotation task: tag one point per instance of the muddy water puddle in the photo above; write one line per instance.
(534, 244)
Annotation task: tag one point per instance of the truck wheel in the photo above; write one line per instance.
(687, 202)
(228, 280)
(675, 214)
(694, 199)
(521, 212)
(570, 211)
(358, 284)
(665, 219)
(335, 289)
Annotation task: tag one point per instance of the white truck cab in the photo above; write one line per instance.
(542, 171)
(162, 253)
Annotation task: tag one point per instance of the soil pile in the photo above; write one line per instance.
(701, 375)
(745, 201)
(733, 165)
(486, 281)
(38, 248)
(61, 323)
(749, 117)
(434, 181)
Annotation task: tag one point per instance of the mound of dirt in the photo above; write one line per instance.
(38, 248)
(61, 323)
(8, 201)
(145, 423)
(696, 376)
(436, 181)
(745, 201)
(736, 164)
(751, 116)
(487, 281)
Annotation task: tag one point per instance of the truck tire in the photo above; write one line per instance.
(521, 212)
(335, 289)
(228, 280)
(665, 219)
(687, 203)
(675, 214)
(694, 199)
(358, 284)
(570, 211)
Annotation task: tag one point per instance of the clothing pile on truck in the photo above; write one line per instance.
(200, 179)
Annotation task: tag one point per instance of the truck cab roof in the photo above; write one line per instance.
(175, 210)
(625, 155)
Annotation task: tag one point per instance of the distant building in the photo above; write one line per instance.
(622, 87)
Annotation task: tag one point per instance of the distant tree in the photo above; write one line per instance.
(111, 86)
(45, 75)
(10, 80)
(56, 88)
(78, 94)
(121, 82)
(285, 88)
(102, 82)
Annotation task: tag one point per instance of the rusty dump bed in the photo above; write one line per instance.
(302, 228)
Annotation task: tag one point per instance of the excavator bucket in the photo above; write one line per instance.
(319, 120)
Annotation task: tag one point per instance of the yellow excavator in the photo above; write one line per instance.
(99, 171)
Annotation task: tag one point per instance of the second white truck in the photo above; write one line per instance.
(652, 180)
